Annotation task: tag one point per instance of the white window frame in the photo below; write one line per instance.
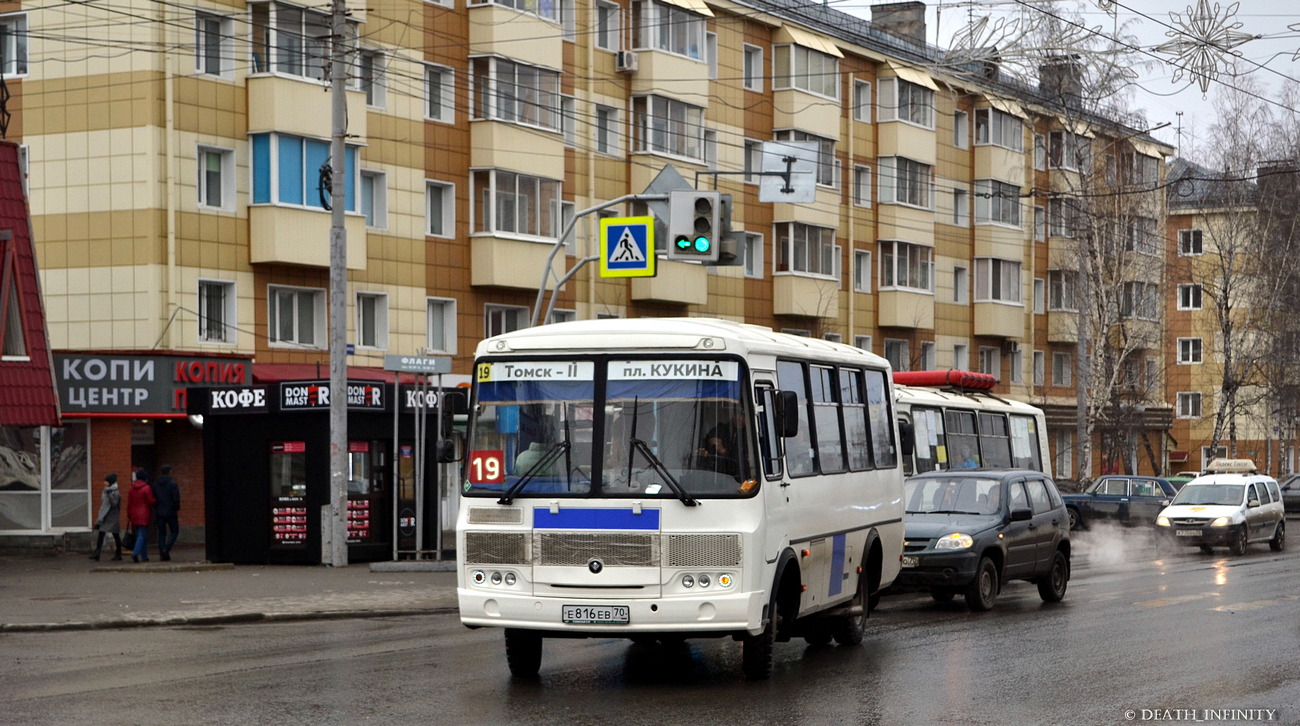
(1062, 369)
(862, 342)
(1040, 367)
(1189, 404)
(991, 361)
(961, 129)
(960, 356)
(818, 253)
(1040, 152)
(376, 198)
(826, 161)
(897, 263)
(1140, 300)
(899, 173)
(1190, 296)
(316, 298)
(500, 200)
(1064, 150)
(1017, 360)
(927, 360)
(440, 314)
(226, 321)
(862, 271)
(226, 158)
(373, 81)
(997, 202)
(861, 186)
(1040, 296)
(998, 128)
(960, 285)
(222, 65)
(898, 353)
(569, 121)
(998, 280)
(1062, 291)
(376, 304)
(525, 6)
(608, 25)
(605, 131)
(300, 52)
(446, 227)
(961, 207)
(492, 311)
(711, 54)
(805, 69)
(1040, 224)
(917, 109)
(668, 28)
(668, 127)
(753, 254)
(1189, 238)
(1191, 351)
(862, 101)
(444, 80)
(1064, 462)
(753, 161)
(513, 92)
(753, 68)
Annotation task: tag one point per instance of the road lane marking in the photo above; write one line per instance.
(1257, 604)
(1176, 600)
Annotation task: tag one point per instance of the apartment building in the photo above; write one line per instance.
(175, 149)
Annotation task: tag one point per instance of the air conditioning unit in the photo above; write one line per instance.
(625, 61)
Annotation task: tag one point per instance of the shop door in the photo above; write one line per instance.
(369, 495)
(406, 506)
(288, 495)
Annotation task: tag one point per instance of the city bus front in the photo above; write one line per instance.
(612, 496)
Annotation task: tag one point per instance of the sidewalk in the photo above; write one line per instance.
(71, 592)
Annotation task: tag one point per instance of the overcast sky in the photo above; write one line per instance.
(1269, 57)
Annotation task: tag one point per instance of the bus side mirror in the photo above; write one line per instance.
(454, 403)
(787, 409)
(906, 437)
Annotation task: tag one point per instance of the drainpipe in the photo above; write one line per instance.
(169, 164)
(848, 181)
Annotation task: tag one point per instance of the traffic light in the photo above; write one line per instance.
(694, 225)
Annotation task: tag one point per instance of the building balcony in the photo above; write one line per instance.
(671, 75)
(810, 297)
(909, 224)
(1063, 326)
(683, 283)
(293, 236)
(500, 30)
(995, 162)
(906, 309)
(898, 138)
(525, 149)
(513, 263)
(795, 109)
(999, 320)
(300, 106)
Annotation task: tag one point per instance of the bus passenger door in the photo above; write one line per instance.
(770, 448)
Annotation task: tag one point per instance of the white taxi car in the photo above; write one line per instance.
(1229, 504)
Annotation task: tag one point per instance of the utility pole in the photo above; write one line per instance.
(334, 528)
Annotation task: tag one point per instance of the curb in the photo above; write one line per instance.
(226, 619)
(156, 567)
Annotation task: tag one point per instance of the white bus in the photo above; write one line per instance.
(953, 422)
(659, 479)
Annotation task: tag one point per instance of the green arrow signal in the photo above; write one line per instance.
(683, 243)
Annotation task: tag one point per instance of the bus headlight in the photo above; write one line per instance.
(688, 581)
(705, 581)
(954, 541)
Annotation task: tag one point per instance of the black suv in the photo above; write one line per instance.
(972, 530)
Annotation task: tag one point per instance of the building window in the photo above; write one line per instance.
(569, 20)
(671, 29)
(440, 322)
(997, 202)
(862, 271)
(1189, 405)
(295, 176)
(1140, 168)
(606, 130)
(1066, 150)
(667, 126)
(292, 40)
(1064, 464)
(1040, 224)
(374, 198)
(569, 121)
(1061, 285)
(825, 154)
(1062, 369)
(904, 181)
(806, 69)
(372, 320)
(753, 255)
(961, 207)
(896, 352)
(216, 311)
(997, 280)
(991, 361)
(805, 248)
(862, 186)
(833, 337)
(1189, 242)
(1140, 236)
(753, 71)
(371, 79)
(961, 130)
(960, 285)
(607, 25)
(502, 319)
(1141, 300)
(862, 342)
(1189, 297)
(440, 209)
(1189, 351)
(862, 101)
(216, 178)
(927, 361)
(546, 10)
(753, 160)
(960, 356)
(517, 204)
(906, 266)
(1040, 364)
(1040, 295)
(900, 100)
(1017, 367)
(213, 37)
(711, 54)
(993, 127)
(562, 316)
(1063, 218)
(296, 316)
(515, 93)
(711, 149)
(1040, 152)
(568, 211)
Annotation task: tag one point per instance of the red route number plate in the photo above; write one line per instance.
(487, 466)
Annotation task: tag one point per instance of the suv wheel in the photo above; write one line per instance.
(1278, 543)
(982, 592)
(1051, 587)
(1239, 541)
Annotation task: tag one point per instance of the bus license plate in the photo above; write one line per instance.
(1187, 533)
(910, 561)
(595, 614)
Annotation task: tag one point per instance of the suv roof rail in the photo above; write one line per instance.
(1231, 466)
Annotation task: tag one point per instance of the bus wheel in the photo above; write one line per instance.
(849, 629)
(756, 654)
(817, 633)
(523, 652)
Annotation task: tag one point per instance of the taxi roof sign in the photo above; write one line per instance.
(1231, 466)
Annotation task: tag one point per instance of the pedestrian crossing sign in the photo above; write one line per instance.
(627, 247)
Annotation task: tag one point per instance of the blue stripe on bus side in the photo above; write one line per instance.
(837, 564)
(580, 518)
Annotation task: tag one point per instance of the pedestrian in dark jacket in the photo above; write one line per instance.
(108, 519)
(168, 495)
(139, 512)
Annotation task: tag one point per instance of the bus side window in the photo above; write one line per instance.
(881, 420)
(963, 441)
(995, 440)
(769, 434)
(856, 429)
(800, 455)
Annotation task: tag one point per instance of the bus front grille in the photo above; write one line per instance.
(613, 550)
(703, 550)
(496, 548)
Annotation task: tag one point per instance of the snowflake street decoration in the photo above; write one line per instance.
(1295, 28)
(1204, 38)
(979, 39)
(1107, 6)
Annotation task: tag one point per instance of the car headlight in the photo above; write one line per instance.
(1220, 522)
(1162, 521)
(954, 541)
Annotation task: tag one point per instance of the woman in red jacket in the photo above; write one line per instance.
(139, 512)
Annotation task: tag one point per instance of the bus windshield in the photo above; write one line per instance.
(655, 428)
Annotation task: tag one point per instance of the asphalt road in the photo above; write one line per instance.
(1136, 632)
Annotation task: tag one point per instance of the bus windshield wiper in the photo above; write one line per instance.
(658, 466)
(547, 459)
